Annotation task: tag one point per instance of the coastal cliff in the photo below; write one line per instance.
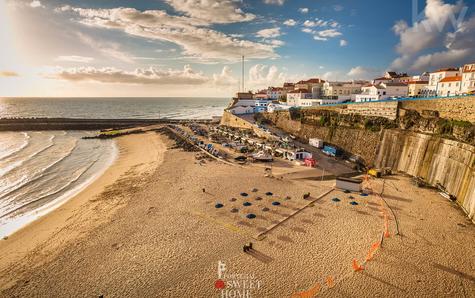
(409, 136)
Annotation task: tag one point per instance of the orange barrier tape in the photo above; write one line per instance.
(309, 293)
(330, 282)
(386, 226)
(357, 266)
(372, 250)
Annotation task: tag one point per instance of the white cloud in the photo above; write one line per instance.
(262, 76)
(309, 23)
(303, 10)
(275, 2)
(189, 33)
(441, 26)
(73, 58)
(107, 49)
(225, 78)
(139, 76)
(363, 73)
(36, 4)
(343, 43)
(217, 11)
(269, 33)
(277, 42)
(329, 33)
(338, 7)
(290, 22)
(316, 37)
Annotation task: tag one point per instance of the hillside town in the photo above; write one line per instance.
(444, 82)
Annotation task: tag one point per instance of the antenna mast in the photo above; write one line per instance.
(242, 75)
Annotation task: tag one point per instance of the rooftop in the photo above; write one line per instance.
(451, 79)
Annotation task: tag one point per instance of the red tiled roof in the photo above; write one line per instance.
(417, 82)
(446, 69)
(451, 79)
(469, 68)
(382, 79)
(299, 91)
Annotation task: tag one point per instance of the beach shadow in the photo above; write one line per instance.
(261, 229)
(319, 215)
(383, 281)
(362, 212)
(454, 272)
(260, 256)
(307, 221)
(244, 223)
(285, 239)
(396, 198)
(299, 230)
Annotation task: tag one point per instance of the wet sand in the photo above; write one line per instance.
(160, 235)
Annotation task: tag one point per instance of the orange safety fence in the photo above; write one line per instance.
(356, 266)
(309, 293)
(374, 247)
(330, 282)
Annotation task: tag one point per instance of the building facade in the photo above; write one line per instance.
(417, 88)
(468, 78)
(436, 76)
(449, 86)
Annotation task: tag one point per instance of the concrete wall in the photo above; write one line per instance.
(458, 108)
(387, 110)
(437, 160)
(231, 120)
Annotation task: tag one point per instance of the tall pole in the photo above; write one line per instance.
(242, 75)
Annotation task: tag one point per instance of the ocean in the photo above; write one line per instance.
(41, 170)
(112, 108)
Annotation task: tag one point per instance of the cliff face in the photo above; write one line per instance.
(437, 160)
(417, 141)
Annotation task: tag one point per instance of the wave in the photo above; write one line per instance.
(50, 193)
(19, 163)
(23, 182)
(23, 146)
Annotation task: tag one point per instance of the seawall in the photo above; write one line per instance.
(23, 124)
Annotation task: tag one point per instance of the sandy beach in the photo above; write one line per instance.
(149, 227)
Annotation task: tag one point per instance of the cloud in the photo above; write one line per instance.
(269, 33)
(148, 76)
(262, 76)
(36, 4)
(343, 43)
(107, 49)
(79, 59)
(329, 33)
(338, 7)
(225, 78)
(439, 39)
(8, 74)
(363, 73)
(217, 11)
(303, 10)
(290, 22)
(189, 33)
(275, 2)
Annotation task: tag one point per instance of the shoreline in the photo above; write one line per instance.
(137, 153)
(33, 215)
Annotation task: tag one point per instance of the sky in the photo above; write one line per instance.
(194, 47)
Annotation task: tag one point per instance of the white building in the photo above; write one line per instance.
(272, 107)
(381, 92)
(436, 76)
(261, 105)
(340, 90)
(276, 93)
(449, 86)
(294, 97)
(468, 78)
(241, 110)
